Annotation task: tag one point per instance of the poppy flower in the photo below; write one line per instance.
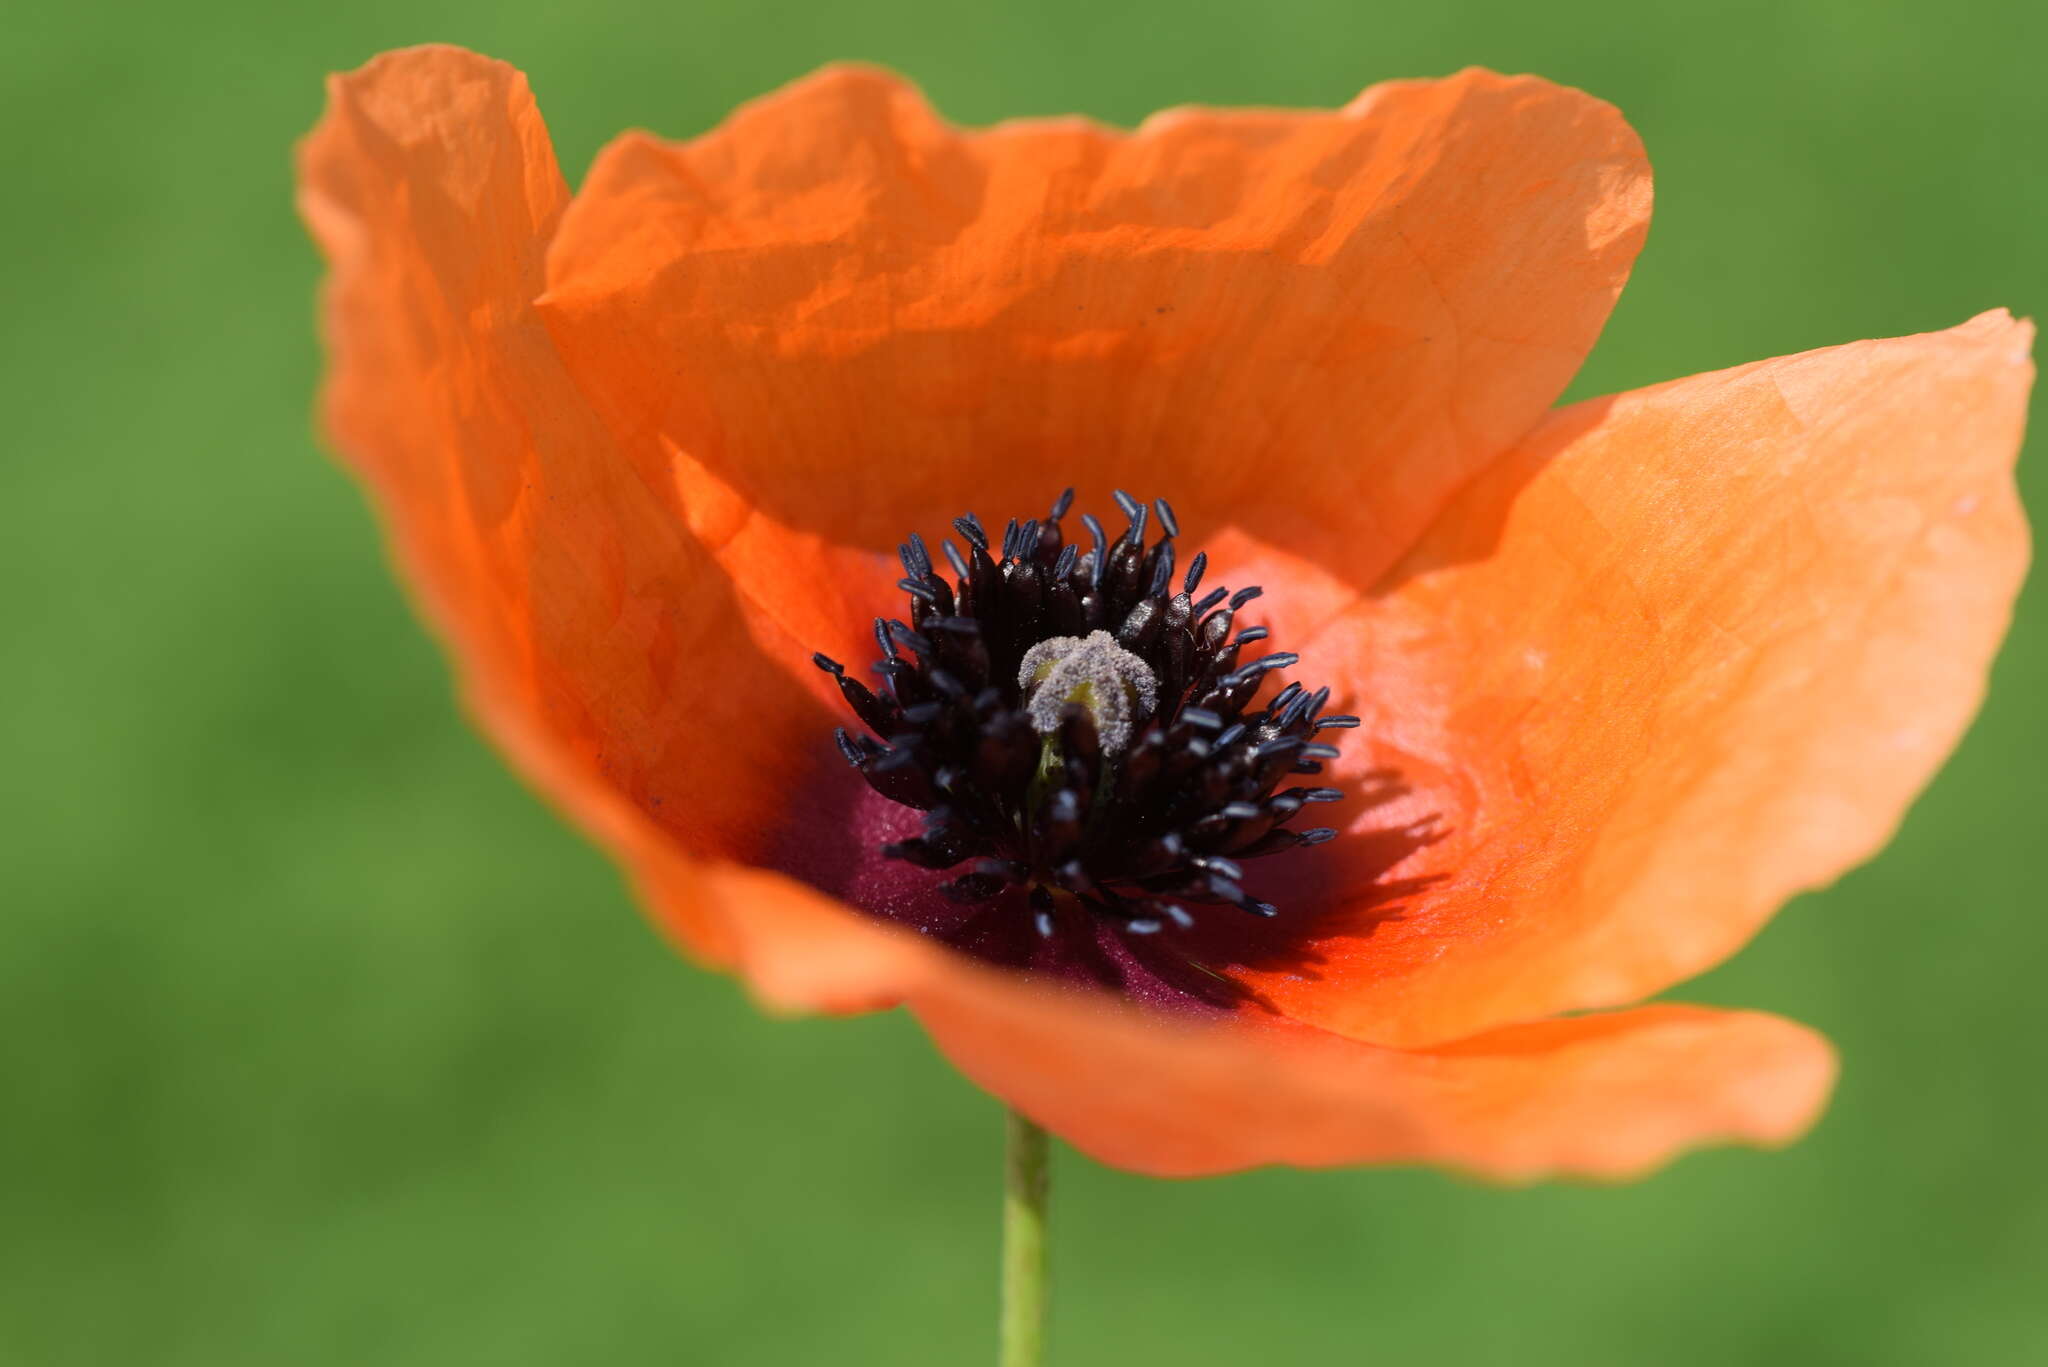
(1625, 675)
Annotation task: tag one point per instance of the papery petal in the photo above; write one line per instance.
(1688, 651)
(850, 320)
(1596, 1096)
(1604, 1096)
(593, 634)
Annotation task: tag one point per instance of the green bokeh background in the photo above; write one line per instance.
(321, 1042)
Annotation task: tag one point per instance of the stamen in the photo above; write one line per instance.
(917, 561)
(1098, 557)
(1162, 572)
(1166, 517)
(1082, 737)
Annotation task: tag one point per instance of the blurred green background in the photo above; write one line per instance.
(322, 1042)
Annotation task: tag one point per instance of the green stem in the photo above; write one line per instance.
(1025, 1178)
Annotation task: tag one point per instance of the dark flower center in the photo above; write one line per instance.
(1077, 724)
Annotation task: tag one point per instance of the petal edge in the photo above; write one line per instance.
(1688, 651)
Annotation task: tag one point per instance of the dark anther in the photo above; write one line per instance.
(1098, 557)
(1081, 734)
(847, 747)
(1166, 517)
(969, 526)
(917, 561)
(1162, 571)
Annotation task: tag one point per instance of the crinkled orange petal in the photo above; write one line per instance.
(837, 318)
(1688, 651)
(1604, 1096)
(595, 636)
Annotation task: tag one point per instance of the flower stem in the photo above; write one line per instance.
(1025, 1178)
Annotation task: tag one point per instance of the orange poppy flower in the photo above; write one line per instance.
(1628, 673)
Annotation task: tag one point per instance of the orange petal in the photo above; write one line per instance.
(1688, 651)
(836, 319)
(1606, 1096)
(1597, 1096)
(594, 635)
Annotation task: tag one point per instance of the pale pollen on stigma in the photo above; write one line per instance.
(1116, 687)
